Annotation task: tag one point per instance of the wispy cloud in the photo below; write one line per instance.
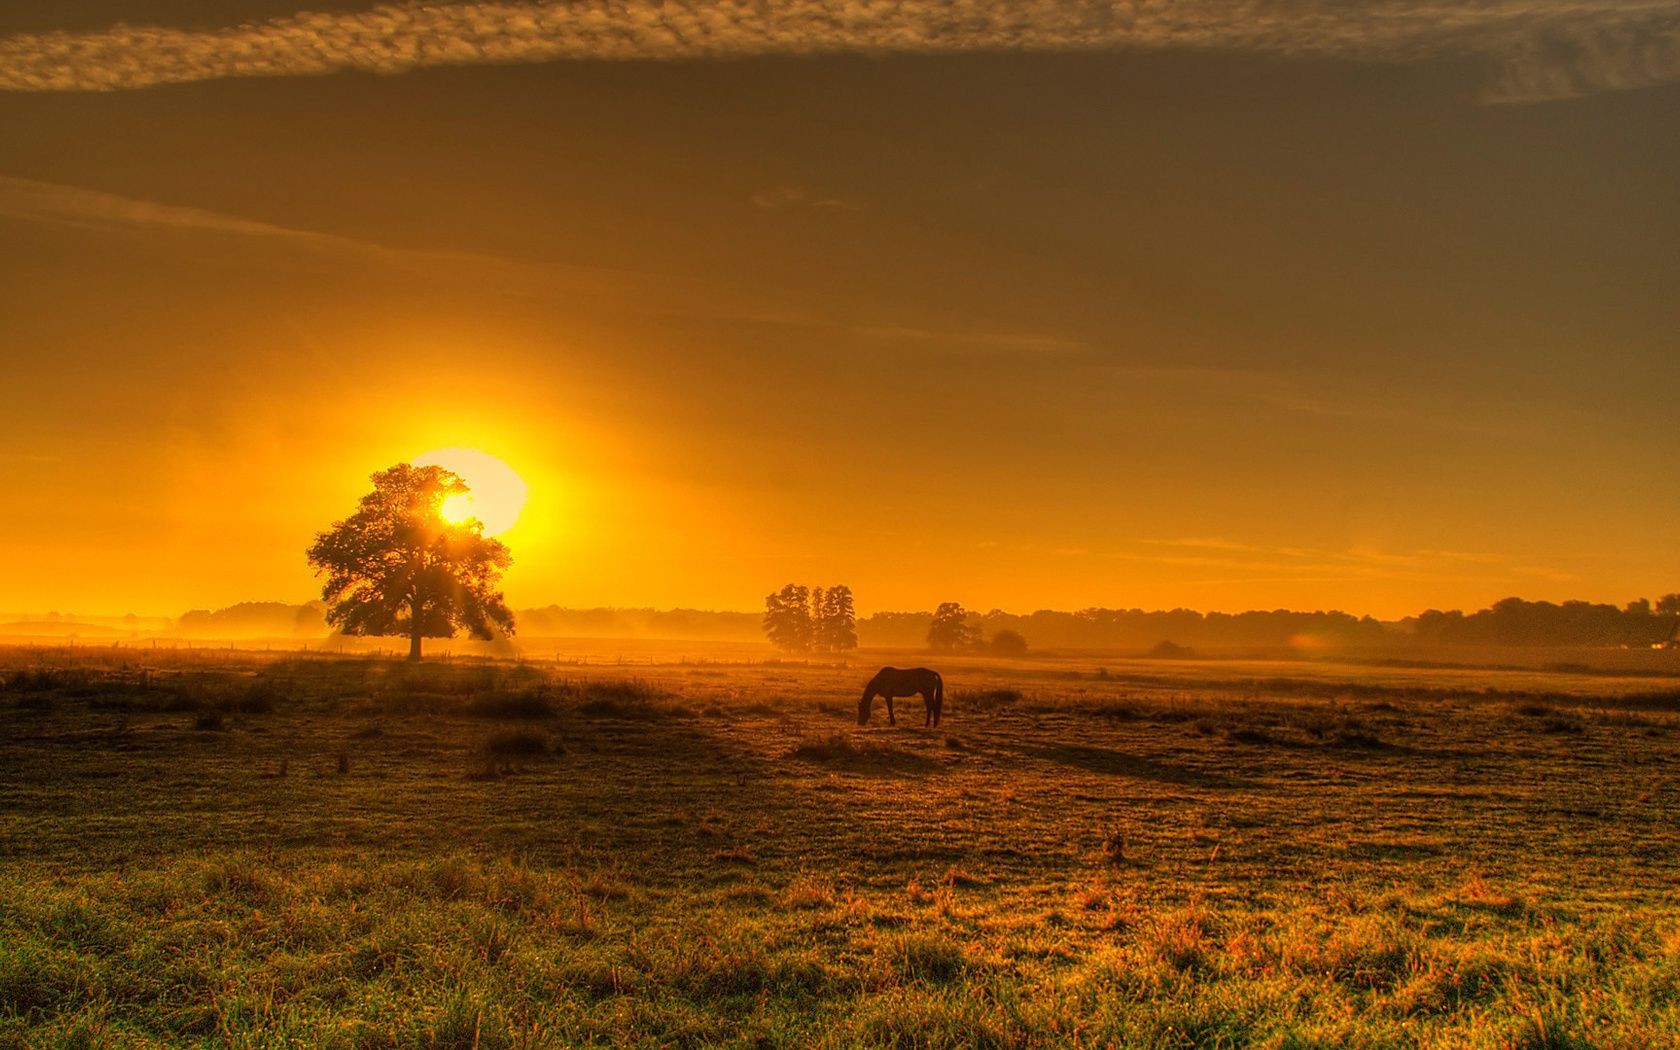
(1259, 563)
(782, 198)
(596, 287)
(1537, 49)
(29, 200)
(970, 340)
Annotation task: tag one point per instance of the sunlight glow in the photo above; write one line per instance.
(497, 493)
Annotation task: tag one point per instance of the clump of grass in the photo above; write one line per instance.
(518, 742)
(209, 721)
(985, 699)
(1250, 735)
(809, 892)
(925, 958)
(1183, 940)
(734, 855)
(834, 747)
(1478, 892)
(1352, 737)
(1115, 710)
(624, 691)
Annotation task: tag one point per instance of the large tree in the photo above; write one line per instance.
(787, 618)
(396, 567)
(834, 625)
(950, 628)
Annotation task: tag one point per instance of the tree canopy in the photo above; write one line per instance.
(395, 567)
(801, 619)
(950, 628)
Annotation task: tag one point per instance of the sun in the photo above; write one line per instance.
(496, 494)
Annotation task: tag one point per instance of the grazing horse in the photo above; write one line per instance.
(890, 682)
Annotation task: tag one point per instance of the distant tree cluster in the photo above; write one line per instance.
(256, 620)
(801, 619)
(1510, 622)
(950, 629)
(955, 629)
(1125, 628)
(1514, 621)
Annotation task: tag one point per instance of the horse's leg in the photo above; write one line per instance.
(927, 708)
(890, 719)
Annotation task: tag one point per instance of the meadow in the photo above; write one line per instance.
(221, 848)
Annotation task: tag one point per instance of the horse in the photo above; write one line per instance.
(890, 682)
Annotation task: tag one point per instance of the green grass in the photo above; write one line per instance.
(511, 856)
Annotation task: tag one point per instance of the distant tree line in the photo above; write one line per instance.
(801, 619)
(1510, 622)
(256, 620)
(1517, 622)
(1513, 621)
(1118, 628)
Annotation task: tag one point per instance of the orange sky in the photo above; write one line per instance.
(1146, 325)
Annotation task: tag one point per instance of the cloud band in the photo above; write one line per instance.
(1538, 48)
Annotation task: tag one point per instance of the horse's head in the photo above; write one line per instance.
(864, 706)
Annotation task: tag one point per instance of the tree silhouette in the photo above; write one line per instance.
(834, 626)
(1669, 604)
(396, 567)
(787, 618)
(950, 629)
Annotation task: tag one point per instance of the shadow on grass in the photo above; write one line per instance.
(1121, 764)
(838, 751)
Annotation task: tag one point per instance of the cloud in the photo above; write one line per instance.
(1257, 563)
(27, 200)
(1537, 49)
(784, 197)
(970, 341)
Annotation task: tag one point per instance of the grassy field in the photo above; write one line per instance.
(248, 849)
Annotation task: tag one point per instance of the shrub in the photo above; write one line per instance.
(1167, 650)
(1008, 643)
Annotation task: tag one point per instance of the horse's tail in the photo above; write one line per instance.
(938, 689)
